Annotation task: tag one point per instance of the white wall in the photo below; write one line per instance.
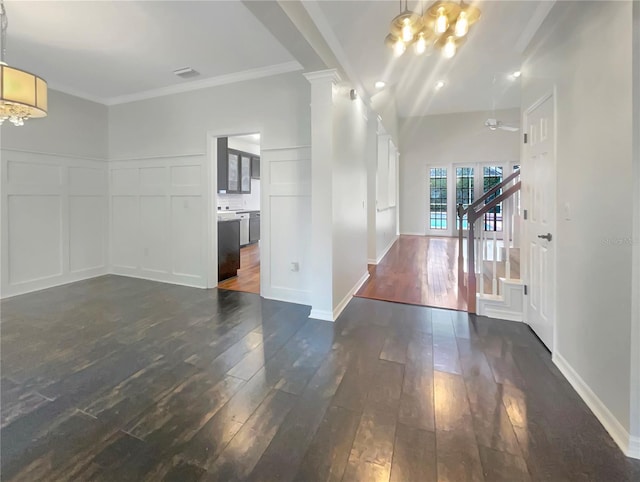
(175, 129)
(635, 261)
(382, 221)
(349, 195)
(54, 196)
(590, 69)
(384, 104)
(441, 141)
(74, 127)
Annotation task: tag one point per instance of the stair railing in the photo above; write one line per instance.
(478, 245)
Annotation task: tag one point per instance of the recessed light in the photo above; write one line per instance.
(439, 85)
(380, 84)
(516, 74)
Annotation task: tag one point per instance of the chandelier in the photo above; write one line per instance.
(22, 94)
(445, 25)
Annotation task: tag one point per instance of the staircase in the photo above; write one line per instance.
(490, 253)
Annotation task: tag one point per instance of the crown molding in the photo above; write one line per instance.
(323, 75)
(535, 22)
(234, 77)
(77, 93)
(250, 74)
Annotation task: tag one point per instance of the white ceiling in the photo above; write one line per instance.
(492, 51)
(110, 50)
(116, 51)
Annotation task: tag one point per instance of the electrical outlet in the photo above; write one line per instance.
(295, 266)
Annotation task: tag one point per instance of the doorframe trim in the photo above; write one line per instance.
(212, 205)
(525, 149)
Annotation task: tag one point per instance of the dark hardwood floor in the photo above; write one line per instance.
(118, 379)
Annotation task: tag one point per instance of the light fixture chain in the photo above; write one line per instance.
(4, 22)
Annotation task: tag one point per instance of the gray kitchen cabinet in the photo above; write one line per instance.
(245, 173)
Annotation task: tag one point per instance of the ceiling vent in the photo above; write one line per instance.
(186, 73)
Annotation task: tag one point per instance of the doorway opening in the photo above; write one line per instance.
(238, 209)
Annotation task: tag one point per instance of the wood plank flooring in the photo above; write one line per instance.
(117, 379)
(248, 279)
(418, 270)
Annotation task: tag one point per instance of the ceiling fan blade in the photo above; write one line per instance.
(509, 128)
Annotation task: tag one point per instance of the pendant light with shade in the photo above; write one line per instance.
(23, 95)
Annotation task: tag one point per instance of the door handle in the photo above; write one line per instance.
(545, 236)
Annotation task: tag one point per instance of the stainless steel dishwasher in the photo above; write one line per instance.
(244, 228)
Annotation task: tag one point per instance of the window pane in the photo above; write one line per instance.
(492, 175)
(464, 191)
(438, 198)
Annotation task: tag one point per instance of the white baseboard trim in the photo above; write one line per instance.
(634, 447)
(327, 315)
(410, 233)
(160, 277)
(51, 282)
(345, 301)
(321, 315)
(279, 293)
(508, 315)
(384, 251)
(599, 409)
(371, 261)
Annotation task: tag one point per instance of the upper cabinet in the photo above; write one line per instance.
(245, 173)
(223, 164)
(235, 169)
(255, 167)
(233, 183)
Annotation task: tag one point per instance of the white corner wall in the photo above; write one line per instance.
(441, 141)
(349, 175)
(54, 197)
(382, 223)
(571, 55)
(634, 448)
(164, 141)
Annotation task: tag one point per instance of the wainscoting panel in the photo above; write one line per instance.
(159, 219)
(35, 237)
(286, 177)
(87, 235)
(54, 220)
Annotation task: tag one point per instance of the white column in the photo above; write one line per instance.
(322, 91)
(634, 429)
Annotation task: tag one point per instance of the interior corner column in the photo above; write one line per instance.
(635, 250)
(322, 91)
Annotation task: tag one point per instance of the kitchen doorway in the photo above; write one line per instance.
(238, 210)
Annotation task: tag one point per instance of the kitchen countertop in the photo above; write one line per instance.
(242, 211)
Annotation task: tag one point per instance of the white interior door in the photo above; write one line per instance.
(538, 179)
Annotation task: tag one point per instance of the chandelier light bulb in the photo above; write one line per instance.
(442, 22)
(407, 30)
(462, 25)
(399, 47)
(449, 49)
(421, 45)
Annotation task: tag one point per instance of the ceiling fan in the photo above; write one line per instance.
(492, 123)
(495, 124)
